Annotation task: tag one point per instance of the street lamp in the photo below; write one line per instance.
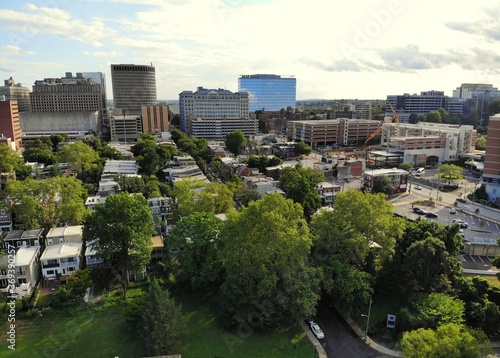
(367, 318)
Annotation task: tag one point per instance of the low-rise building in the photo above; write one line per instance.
(399, 178)
(92, 258)
(60, 259)
(157, 250)
(27, 268)
(59, 235)
(327, 192)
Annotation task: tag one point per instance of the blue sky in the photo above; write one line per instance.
(335, 49)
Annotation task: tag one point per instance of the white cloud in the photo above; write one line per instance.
(11, 50)
(46, 20)
(103, 54)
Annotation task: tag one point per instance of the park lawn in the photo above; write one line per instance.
(381, 307)
(206, 337)
(86, 334)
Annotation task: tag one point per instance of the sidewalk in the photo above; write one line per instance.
(387, 352)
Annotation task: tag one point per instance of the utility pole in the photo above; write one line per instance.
(367, 319)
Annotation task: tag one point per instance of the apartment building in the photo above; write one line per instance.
(9, 122)
(343, 131)
(491, 171)
(210, 105)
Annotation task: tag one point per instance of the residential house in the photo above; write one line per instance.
(399, 178)
(92, 259)
(157, 251)
(92, 201)
(327, 192)
(13, 239)
(161, 207)
(60, 259)
(27, 268)
(59, 235)
(5, 220)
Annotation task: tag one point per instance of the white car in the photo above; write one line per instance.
(418, 187)
(318, 332)
(463, 224)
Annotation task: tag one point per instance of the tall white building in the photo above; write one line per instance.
(212, 113)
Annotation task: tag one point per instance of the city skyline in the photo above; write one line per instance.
(344, 50)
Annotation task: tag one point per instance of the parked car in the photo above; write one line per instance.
(431, 215)
(421, 212)
(318, 332)
(415, 209)
(461, 200)
(463, 224)
(418, 187)
(453, 211)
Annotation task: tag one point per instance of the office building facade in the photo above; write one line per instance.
(476, 97)
(422, 104)
(491, 171)
(133, 86)
(12, 90)
(207, 107)
(268, 92)
(343, 131)
(155, 118)
(9, 122)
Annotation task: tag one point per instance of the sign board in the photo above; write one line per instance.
(391, 321)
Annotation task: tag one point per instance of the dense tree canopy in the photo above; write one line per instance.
(46, 203)
(451, 171)
(433, 117)
(302, 148)
(122, 228)
(11, 162)
(79, 155)
(449, 340)
(195, 237)
(384, 185)
(267, 278)
(236, 142)
(262, 161)
(301, 185)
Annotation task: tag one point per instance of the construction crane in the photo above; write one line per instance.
(394, 118)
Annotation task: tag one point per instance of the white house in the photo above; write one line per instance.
(58, 235)
(27, 269)
(91, 257)
(61, 259)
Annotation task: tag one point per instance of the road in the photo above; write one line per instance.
(339, 341)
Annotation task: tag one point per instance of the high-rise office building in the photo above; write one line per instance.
(422, 104)
(133, 86)
(13, 90)
(213, 113)
(491, 171)
(9, 122)
(155, 118)
(476, 97)
(269, 92)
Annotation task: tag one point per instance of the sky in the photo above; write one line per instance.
(336, 49)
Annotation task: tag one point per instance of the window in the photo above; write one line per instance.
(50, 272)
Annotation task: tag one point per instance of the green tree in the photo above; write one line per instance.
(301, 185)
(433, 117)
(131, 184)
(406, 166)
(161, 322)
(196, 237)
(48, 202)
(236, 142)
(451, 171)
(433, 310)
(481, 143)
(185, 192)
(302, 148)
(57, 138)
(413, 118)
(79, 282)
(79, 155)
(369, 216)
(445, 115)
(11, 162)
(38, 155)
(384, 185)
(449, 340)
(122, 228)
(264, 254)
(216, 198)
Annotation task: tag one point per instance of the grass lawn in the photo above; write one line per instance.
(86, 334)
(103, 333)
(493, 280)
(381, 307)
(207, 338)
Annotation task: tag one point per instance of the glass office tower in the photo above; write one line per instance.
(269, 92)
